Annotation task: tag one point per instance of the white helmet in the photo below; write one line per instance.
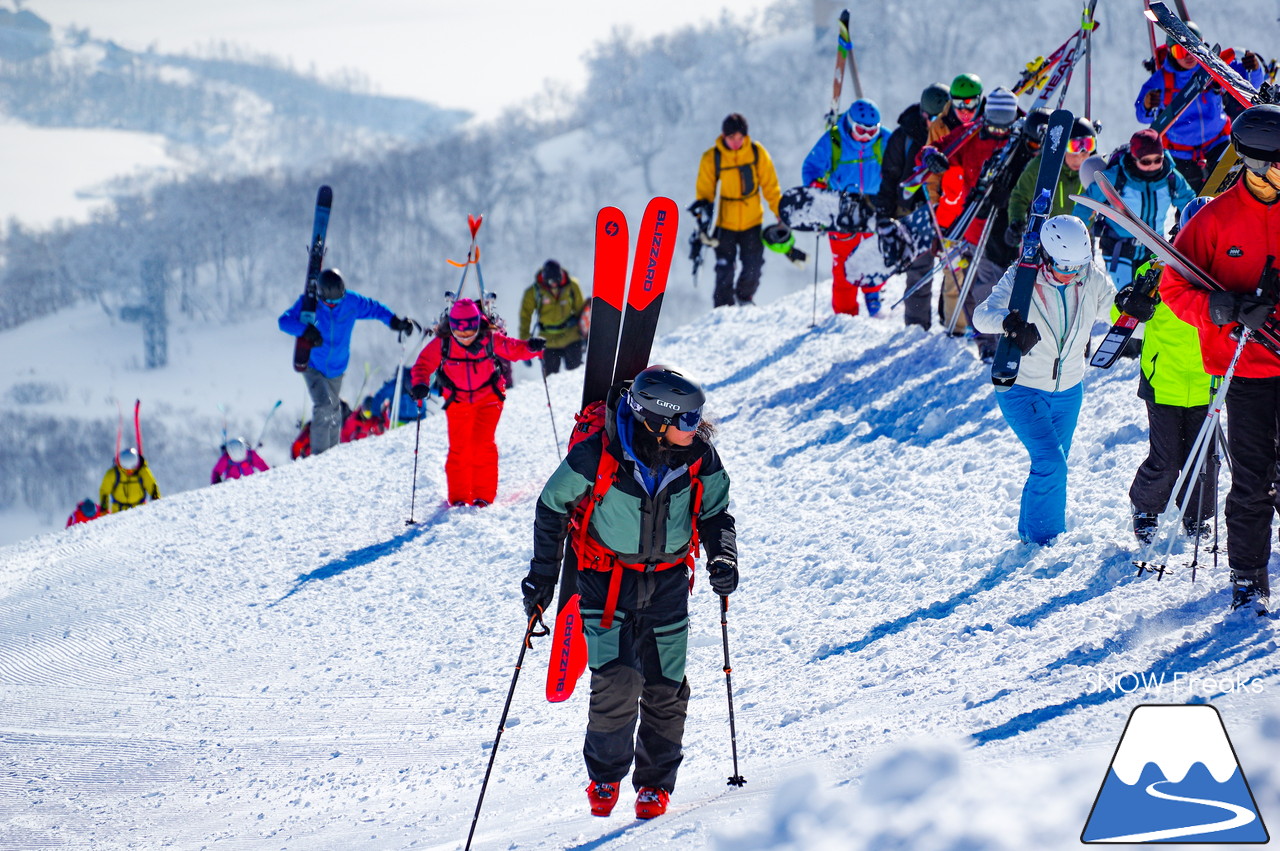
(237, 449)
(1066, 244)
(129, 459)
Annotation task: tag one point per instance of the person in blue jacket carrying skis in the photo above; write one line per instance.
(336, 315)
(847, 159)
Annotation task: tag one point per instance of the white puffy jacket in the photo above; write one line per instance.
(1063, 314)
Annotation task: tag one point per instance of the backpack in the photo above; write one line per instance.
(746, 173)
(592, 555)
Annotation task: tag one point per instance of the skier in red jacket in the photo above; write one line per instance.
(1234, 239)
(463, 355)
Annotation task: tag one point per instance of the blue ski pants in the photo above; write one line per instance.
(1045, 423)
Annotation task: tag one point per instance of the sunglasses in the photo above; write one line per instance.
(465, 325)
(1082, 145)
(1153, 160)
(865, 133)
(969, 104)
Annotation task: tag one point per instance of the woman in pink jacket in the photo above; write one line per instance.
(464, 356)
(237, 460)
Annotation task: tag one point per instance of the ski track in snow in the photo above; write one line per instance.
(282, 661)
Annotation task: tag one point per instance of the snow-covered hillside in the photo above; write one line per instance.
(282, 662)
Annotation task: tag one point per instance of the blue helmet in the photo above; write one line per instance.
(862, 112)
(1194, 206)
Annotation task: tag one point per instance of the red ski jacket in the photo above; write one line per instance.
(470, 373)
(1230, 239)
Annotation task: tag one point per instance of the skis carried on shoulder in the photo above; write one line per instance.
(1008, 357)
(1146, 280)
(1222, 73)
(315, 258)
(617, 349)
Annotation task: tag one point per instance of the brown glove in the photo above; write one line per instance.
(1150, 99)
(1251, 61)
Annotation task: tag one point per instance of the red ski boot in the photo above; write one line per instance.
(603, 797)
(651, 802)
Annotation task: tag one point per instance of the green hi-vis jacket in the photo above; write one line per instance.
(637, 527)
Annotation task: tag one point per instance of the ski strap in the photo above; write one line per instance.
(593, 555)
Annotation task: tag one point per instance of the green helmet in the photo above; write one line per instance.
(966, 86)
(778, 237)
(934, 98)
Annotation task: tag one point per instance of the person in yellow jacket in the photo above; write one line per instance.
(128, 483)
(732, 176)
(556, 300)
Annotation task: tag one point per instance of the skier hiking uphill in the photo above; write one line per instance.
(1199, 136)
(668, 494)
(463, 358)
(1071, 291)
(86, 510)
(368, 420)
(555, 301)
(736, 170)
(237, 461)
(893, 202)
(336, 316)
(128, 483)
(847, 159)
(1234, 241)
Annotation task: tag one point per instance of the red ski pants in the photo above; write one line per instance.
(472, 463)
(844, 295)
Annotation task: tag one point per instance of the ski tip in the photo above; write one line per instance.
(474, 223)
(324, 197)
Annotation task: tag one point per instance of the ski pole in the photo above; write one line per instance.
(262, 434)
(968, 277)
(735, 779)
(817, 246)
(550, 410)
(413, 494)
(530, 632)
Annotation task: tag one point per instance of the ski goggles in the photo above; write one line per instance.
(465, 325)
(658, 423)
(332, 302)
(1082, 145)
(1177, 51)
(864, 132)
(1066, 270)
(1258, 167)
(969, 104)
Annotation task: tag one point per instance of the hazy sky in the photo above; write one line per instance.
(459, 53)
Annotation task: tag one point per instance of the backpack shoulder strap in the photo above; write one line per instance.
(716, 152)
(606, 475)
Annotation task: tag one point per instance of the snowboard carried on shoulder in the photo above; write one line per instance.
(809, 208)
(315, 257)
(624, 318)
(1008, 357)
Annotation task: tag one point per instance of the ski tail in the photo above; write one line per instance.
(568, 644)
(315, 260)
(655, 245)
(608, 295)
(119, 430)
(137, 425)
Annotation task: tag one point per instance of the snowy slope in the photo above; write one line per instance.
(282, 662)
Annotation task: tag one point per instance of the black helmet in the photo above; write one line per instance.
(1036, 121)
(664, 396)
(552, 274)
(331, 286)
(935, 98)
(88, 507)
(1083, 127)
(1256, 136)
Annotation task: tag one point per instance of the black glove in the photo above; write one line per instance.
(1250, 62)
(312, 335)
(538, 589)
(934, 160)
(1248, 309)
(701, 209)
(1137, 304)
(1013, 234)
(402, 323)
(723, 575)
(420, 391)
(1023, 334)
(536, 344)
(890, 240)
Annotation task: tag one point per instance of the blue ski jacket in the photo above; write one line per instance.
(1150, 196)
(1204, 124)
(335, 325)
(857, 168)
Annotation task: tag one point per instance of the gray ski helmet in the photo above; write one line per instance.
(1001, 109)
(129, 459)
(665, 396)
(331, 287)
(1089, 168)
(935, 98)
(778, 237)
(552, 274)
(237, 450)
(1256, 136)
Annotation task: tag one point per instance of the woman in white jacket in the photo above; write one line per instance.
(1042, 406)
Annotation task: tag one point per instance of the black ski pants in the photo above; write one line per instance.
(1253, 427)
(1171, 430)
(570, 356)
(637, 672)
(747, 247)
(918, 307)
